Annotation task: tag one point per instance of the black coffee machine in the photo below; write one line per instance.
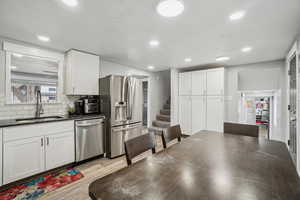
(79, 107)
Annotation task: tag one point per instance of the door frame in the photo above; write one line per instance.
(293, 52)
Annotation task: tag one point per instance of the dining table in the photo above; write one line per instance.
(207, 166)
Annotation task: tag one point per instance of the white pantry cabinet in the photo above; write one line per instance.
(201, 95)
(215, 82)
(32, 149)
(185, 83)
(82, 73)
(185, 110)
(199, 83)
(198, 113)
(214, 116)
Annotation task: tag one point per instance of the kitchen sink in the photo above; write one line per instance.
(29, 120)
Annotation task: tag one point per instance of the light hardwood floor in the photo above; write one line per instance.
(93, 170)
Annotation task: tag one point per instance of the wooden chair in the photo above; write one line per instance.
(139, 145)
(241, 129)
(173, 132)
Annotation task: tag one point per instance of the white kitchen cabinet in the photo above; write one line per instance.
(23, 158)
(215, 82)
(198, 113)
(185, 83)
(199, 83)
(82, 73)
(185, 114)
(214, 113)
(59, 149)
(32, 149)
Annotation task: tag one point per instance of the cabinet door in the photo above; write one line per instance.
(22, 158)
(199, 83)
(60, 149)
(214, 113)
(185, 114)
(198, 113)
(215, 82)
(185, 83)
(84, 69)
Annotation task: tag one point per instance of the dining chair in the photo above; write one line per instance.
(172, 133)
(241, 129)
(139, 145)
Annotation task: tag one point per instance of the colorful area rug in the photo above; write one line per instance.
(40, 186)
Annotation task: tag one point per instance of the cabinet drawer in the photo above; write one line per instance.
(36, 130)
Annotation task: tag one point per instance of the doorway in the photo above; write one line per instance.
(257, 108)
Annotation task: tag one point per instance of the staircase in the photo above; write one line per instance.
(163, 119)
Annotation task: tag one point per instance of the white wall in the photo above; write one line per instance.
(258, 76)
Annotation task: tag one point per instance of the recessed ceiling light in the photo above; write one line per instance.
(17, 55)
(170, 8)
(188, 60)
(71, 3)
(43, 38)
(154, 43)
(222, 58)
(246, 49)
(151, 67)
(237, 15)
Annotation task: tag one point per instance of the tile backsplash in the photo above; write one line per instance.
(23, 111)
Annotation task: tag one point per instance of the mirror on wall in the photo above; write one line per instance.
(29, 74)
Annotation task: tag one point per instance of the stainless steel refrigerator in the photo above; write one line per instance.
(121, 101)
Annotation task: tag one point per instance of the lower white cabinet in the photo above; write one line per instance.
(22, 158)
(59, 150)
(185, 110)
(214, 116)
(198, 113)
(32, 149)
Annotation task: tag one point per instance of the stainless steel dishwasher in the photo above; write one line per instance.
(89, 138)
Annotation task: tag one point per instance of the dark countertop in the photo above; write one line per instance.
(14, 122)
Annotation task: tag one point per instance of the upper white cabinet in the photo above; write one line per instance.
(185, 83)
(215, 82)
(82, 73)
(199, 83)
(32, 149)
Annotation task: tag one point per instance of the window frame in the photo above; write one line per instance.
(11, 48)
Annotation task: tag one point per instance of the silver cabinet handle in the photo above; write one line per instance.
(47, 141)
(42, 141)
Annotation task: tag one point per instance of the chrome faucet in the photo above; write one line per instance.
(39, 107)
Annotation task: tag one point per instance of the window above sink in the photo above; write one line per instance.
(29, 70)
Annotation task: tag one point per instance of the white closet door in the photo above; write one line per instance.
(185, 114)
(199, 83)
(185, 83)
(214, 106)
(198, 113)
(215, 82)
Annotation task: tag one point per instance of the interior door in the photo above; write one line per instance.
(185, 114)
(23, 158)
(198, 113)
(60, 150)
(214, 116)
(199, 83)
(293, 107)
(215, 82)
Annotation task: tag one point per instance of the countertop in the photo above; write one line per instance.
(14, 122)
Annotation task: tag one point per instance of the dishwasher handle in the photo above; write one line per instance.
(90, 124)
